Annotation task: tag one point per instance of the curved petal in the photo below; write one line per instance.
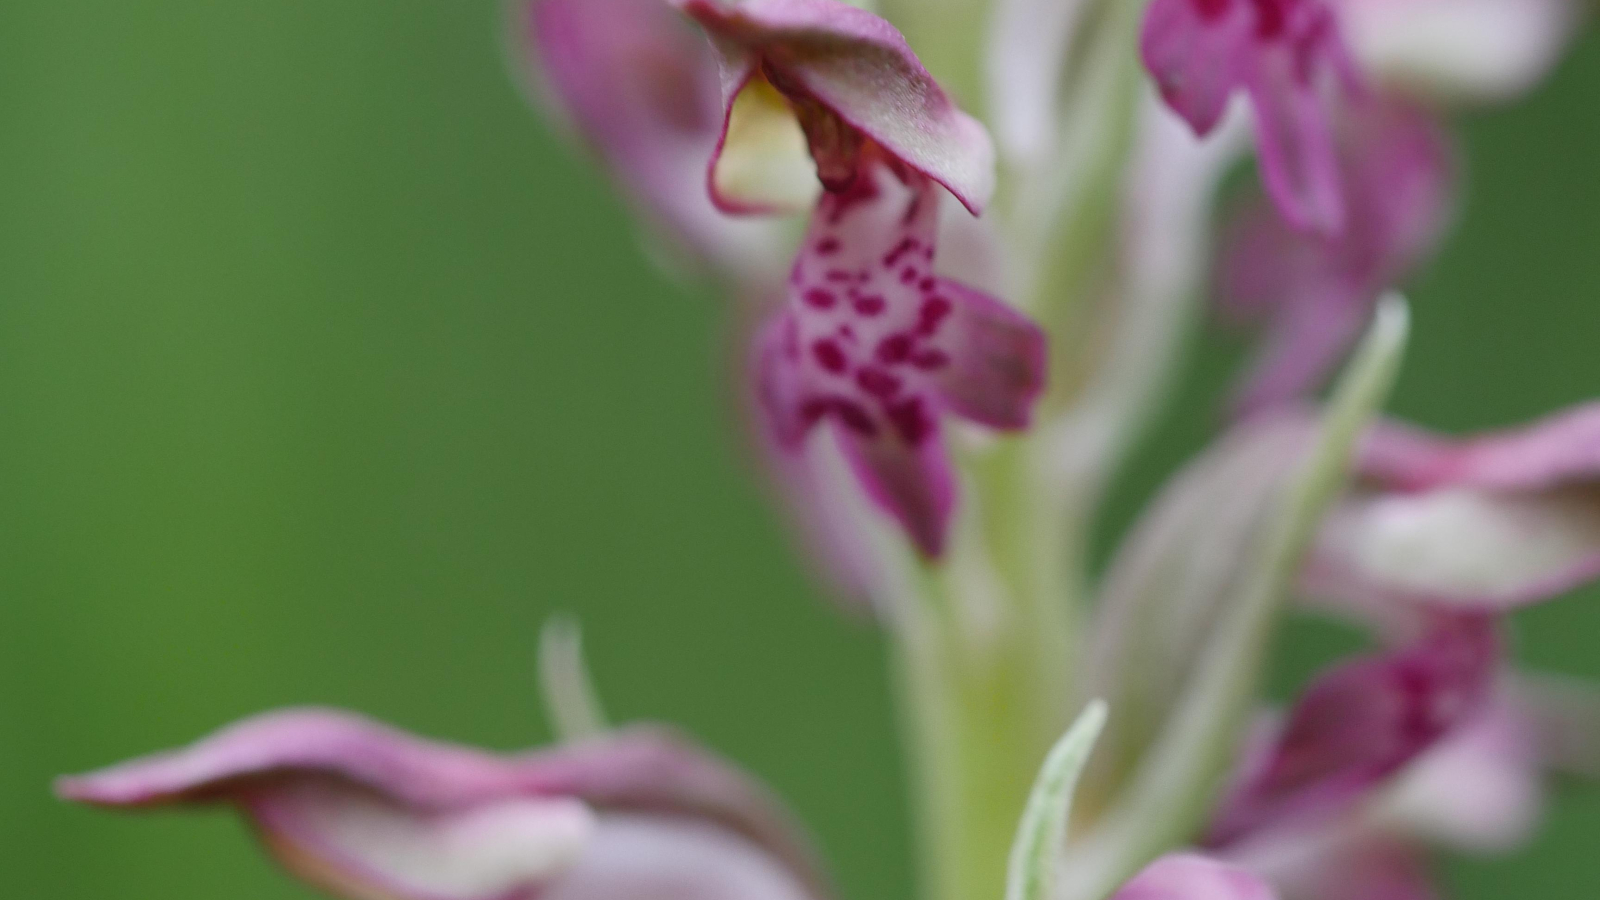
(1198, 59)
(1192, 877)
(363, 810)
(858, 67)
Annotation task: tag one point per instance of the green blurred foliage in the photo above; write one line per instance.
(327, 371)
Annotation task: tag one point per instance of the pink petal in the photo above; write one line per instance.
(859, 68)
(1294, 133)
(643, 90)
(358, 808)
(997, 360)
(1360, 723)
(1495, 522)
(912, 483)
(1197, 59)
(1191, 877)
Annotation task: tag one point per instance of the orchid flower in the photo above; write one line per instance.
(799, 153)
(870, 338)
(363, 811)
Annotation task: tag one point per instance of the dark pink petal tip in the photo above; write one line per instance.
(1359, 724)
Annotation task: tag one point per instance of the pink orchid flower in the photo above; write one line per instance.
(871, 338)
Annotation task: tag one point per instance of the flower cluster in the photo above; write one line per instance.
(944, 389)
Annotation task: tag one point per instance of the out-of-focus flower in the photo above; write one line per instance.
(1314, 288)
(1491, 522)
(1288, 56)
(1315, 292)
(364, 811)
(870, 338)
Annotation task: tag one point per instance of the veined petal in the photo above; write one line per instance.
(1360, 724)
(368, 812)
(858, 68)
(643, 91)
(1191, 877)
(1492, 523)
(1481, 50)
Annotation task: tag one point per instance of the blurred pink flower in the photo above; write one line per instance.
(364, 811)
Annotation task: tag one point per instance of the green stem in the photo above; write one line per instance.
(984, 698)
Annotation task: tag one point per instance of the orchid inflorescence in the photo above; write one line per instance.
(943, 390)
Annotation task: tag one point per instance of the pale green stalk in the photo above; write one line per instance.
(570, 701)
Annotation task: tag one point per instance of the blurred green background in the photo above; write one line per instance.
(327, 372)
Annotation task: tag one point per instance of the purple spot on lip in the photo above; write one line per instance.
(933, 313)
(908, 275)
(892, 258)
(910, 420)
(930, 359)
(820, 299)
(877, 382)
(829, 356)
(828, 246)
(869, 305)
(926, 285)
(895, 348)
(854, 417)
